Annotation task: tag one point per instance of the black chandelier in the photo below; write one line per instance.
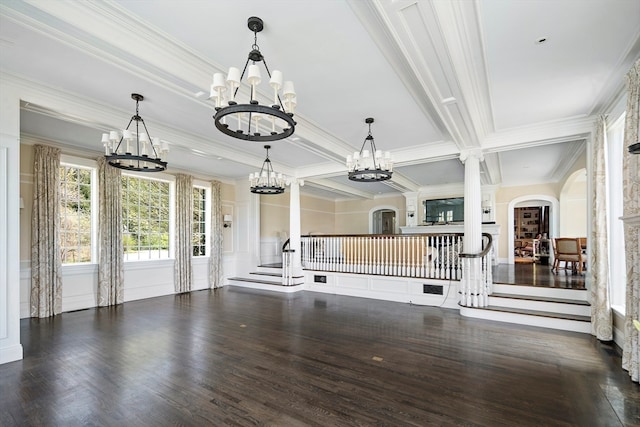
(369, 166)
(251, 121)
(267, 181)
(137, 152)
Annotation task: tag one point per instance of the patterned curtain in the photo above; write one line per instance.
(215, 260)
(110, 244)
(46, 260)
(182, 273)
(601, 318)
(631, 194)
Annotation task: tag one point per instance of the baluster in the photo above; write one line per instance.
(414, 254)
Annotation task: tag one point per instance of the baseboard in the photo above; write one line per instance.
(11, 353)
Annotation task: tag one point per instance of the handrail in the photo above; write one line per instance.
(383, 236)
(284, 246)
(484, 252)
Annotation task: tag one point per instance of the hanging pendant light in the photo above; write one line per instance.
(267, 181)
(369, 165)
(135, 152)
(249, 120)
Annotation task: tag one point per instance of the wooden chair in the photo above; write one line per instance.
(567, 250)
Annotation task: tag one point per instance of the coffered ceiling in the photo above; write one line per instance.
(439, 77)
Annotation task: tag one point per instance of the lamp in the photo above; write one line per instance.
(369, 166)
(227, 219)
(145, 154)
(267, 181)
(253, 122)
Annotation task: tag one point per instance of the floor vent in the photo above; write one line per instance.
(432, 289)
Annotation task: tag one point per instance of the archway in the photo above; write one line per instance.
(531, 199)
(383, 220)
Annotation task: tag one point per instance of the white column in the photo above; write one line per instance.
(411, 208)
(294, 229)
(472, 292)
(246, 229)
(10, 347)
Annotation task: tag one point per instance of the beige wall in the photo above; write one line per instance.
(352, 216)
(317, 216)
(573, 209)
(274, 215)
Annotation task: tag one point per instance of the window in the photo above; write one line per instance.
(199, 236)
(145, 215)
(617, 269)
(75, 195)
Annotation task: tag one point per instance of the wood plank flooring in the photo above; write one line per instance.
(537, 275)
(240, 357)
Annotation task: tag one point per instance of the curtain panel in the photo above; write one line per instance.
(215, 260)
(110, 243)
(46, 259)
(601, 317)
(182, 273)
(631, 196)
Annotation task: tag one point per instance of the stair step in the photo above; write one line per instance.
(264, 273)
(541, 298)
(248, 279)
(550, 314)
(269, 285)
(538, 318)
(273, 265)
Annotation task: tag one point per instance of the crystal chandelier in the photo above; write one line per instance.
(267, 181)
(370, 165)
(250, 120)
(135, 152)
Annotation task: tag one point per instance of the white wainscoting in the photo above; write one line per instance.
(270, 250)
(398, 289)
(143, 279)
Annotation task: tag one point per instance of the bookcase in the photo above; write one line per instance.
(527, 222)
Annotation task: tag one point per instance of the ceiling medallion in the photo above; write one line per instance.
(369, 166)
(250, 120)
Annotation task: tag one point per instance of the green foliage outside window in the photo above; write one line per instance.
(145, 212)
(199, 238)
(75, 214)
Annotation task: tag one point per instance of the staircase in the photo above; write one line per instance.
(267, 277)
(555, 308)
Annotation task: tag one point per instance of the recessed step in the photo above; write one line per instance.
(248, 279)
(544, 319)
(551, 314)
(264, 273)
(540, 303)
(269, 285)
(273, 265)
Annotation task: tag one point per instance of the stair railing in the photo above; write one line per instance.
(405, 255)
(287, 264)
(475, 291)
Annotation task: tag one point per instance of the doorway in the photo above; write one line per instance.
(383, 221)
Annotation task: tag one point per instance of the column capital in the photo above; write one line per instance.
(474, 152)
(291, 181)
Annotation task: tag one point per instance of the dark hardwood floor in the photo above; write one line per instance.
(242, 357)
(537, 275)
